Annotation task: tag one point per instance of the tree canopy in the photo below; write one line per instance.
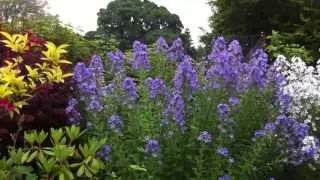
(15, 12)
(297, 20)
(130, 20)
(19, 16)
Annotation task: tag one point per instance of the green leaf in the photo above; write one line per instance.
(56, 135)
(88, 160)
(31, 177)
(80, 171)
(61, 176)
(30, 137)
(73, 132)
(49, 152)
(138, 168)
(68, 173)
(75, 165)
(25, 156)
(41, 137)
(88, 173)
(32, 156)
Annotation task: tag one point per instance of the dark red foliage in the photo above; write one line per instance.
(46, 108)
(6, 104)
(35, 40)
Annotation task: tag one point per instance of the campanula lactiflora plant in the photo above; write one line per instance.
(167, 116)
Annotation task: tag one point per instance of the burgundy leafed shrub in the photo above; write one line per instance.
(46, 107)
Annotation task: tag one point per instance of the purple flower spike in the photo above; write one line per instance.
(117, 59)
(205, 137)
(152, 147)
(223, 110)
(176, 51)
(104, 153)
(224, 177)
(185, 75)
(234, 100)
(162, 45)
(130, 88)
(140, 58)
(115, 123)
(156, 88)
(223, 151)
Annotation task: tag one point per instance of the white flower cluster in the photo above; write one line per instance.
(303, 85)
(310, 147)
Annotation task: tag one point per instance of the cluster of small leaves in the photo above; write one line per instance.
(54, 155)
(279, 46)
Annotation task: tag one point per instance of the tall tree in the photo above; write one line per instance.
(129, 20)
(187, 42)
(15, 12)
(245, 20)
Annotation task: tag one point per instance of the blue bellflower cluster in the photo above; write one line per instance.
(97, 69)
(115, 123)
(224, 177)
(226, 66)
(157, 88)
(185, 76)
(117, 59)
(176, 51)
(269, 129)
(293, 133)
(283, 101)
(95, 104)
(229, 69)
(205, 137)
(223, 151)
(276, 77)
(259, 68)
(152, 147)
(223, 110)
(226, 123)
(233, 100)
(140, 58)
(71, 111)
(236, 51)
(162, 46)
(88, 84)
(84, 79)
(219, 49)
(130, 89)
(104, 153)
(177, 107)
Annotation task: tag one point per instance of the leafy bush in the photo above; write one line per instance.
(168, 117)
(57, 155)
(280, 45)
(31, 89)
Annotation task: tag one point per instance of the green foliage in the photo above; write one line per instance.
(50, 28)
(182, 155)
(33, 18)
(54, 155)
(14, 13)
(130, 20)
(296, 21)
(279, 46)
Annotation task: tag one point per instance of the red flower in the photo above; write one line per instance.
(6, 104)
